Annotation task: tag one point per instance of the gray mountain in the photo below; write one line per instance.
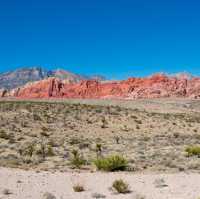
(20, 77)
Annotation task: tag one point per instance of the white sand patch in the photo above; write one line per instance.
(32, 185)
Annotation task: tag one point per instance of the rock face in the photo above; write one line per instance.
(156, 86)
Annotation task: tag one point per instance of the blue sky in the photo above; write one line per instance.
(117, 38)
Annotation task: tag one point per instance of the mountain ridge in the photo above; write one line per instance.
(156, 86)
(19, 77)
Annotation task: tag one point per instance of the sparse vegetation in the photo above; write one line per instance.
(7, 192)
(193, 151)
(104, 122)
(111, 163)
(117, 138)
(67, 136)
(29, 150)
(48, 195)
(4, 135)
(77, 160)
(120, 186)
(43, 134)
(98, 150)
(78, 188)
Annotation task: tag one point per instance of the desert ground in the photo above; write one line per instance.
(159, 138)
(34, 185)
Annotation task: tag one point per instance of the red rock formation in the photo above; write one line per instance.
(158, 85)
(3, 92)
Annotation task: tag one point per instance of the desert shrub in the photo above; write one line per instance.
(117, 138)
(48, 195)
(97, 110)
(111, 163)
(12, 140)
(4, 135)
(125, 128)
(7, 192)
(45, 150)
(83, 145)
(98, 149)
(44, 133)
(29, 150)
(137, 127)
(78, 188)
(104, 122)
(36, 117)
(75, 140)
(138, 121)
(193, 151)
(120, 186)
(42, 150)
(50, 151)
(77, 160)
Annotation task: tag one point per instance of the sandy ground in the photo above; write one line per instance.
(32, 185)
(161, 105)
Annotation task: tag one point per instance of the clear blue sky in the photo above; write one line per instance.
(118, 38)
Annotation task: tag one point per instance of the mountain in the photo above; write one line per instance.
(20, 77)
(156, 86)
(65, 75)
(97, 77)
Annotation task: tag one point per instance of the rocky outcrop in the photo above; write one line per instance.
(156, 86)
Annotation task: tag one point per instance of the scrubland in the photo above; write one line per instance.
(88, 137)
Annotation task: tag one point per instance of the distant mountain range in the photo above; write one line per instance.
(155, 86)
(19, 77)
(37, 82)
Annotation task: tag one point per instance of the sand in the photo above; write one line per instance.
(32, 185)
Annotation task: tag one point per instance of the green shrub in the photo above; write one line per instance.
(77, 160)
(111, 163)
(193, 151)
(120, 186)
(78, 188)
(45, 150)
(30, 149)
(98, 150)
(4, 135)
(50, 151)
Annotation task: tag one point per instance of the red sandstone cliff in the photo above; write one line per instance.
(152, 87)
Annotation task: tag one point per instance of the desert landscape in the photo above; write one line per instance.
(99, 99)
(77, 148)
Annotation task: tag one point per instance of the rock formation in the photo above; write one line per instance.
(156, 86)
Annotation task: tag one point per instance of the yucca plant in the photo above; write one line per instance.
(77, 160)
